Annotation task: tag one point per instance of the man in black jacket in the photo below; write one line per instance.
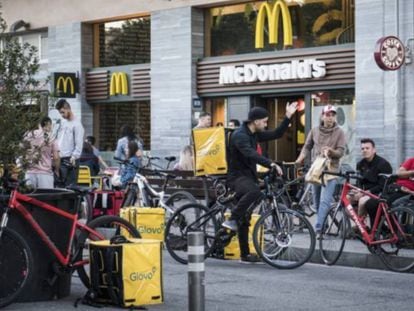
(369, 167)
(242, 174)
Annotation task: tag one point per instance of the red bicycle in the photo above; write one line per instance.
(390, 238)
(16, 258)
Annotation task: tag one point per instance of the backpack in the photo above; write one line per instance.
(124, 272)
(211, 150)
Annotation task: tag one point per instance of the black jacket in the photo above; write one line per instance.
(370, 170)
(243, 154)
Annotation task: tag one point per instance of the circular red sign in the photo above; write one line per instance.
(389, 53)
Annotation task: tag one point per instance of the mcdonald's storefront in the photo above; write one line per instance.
(280, 54)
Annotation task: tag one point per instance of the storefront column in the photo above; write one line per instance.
(176, 44)
(70, 50)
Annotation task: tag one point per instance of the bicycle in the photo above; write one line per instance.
(294, 192)
(274, 234)
(150, 165)
(390, 238)
(139, 191)
(16, 258)
(86, 208)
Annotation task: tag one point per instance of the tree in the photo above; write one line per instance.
(19, 96)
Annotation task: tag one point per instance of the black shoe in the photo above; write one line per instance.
(230, 224)
(251, 259)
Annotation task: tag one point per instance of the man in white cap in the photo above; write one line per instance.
(242, 175)
(327, 140)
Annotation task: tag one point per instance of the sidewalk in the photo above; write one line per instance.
(356, 254)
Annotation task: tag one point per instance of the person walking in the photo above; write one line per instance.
(70, 141)
(242, 174)
(326, 140)
(43, 152)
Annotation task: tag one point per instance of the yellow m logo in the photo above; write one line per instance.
(272, 14)
(62, 85)
(119, 84)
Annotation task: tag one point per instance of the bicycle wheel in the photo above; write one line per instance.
(16, 266)
(176, 200)
(284, 239)
(130, 196)
(397, 256)
(188, 218)
(333, 234)
(107, 226)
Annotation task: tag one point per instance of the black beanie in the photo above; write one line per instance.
(257, 113)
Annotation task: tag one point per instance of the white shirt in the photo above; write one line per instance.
(70, 138)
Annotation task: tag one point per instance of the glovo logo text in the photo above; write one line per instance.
(151, 230)
(273, 13)
(63, 83)
(210, 152)
(119, 84)
(143, 276)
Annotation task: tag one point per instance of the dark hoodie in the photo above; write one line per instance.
(243, 153)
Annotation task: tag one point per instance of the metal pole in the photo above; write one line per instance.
(196, 283)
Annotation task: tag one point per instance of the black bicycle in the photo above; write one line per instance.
(283, 238)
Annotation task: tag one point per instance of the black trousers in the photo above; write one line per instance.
(247, 192)
(372, 204)
(69, 173)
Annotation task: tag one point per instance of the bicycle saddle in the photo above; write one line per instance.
(79, 189)
(170, 159)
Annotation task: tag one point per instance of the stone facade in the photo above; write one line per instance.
(378, 92)
(176, 44)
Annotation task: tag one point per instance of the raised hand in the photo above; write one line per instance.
(291, 108)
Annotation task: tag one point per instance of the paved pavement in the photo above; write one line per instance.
(232, 286)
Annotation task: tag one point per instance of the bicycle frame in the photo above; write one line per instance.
(15, 203)
(369, 238)
(143, 185)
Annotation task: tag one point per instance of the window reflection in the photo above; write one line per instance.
(231, 29)
(124, 42)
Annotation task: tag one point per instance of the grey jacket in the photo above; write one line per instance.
(320, 137)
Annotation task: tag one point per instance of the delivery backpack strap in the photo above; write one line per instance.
(91, 297)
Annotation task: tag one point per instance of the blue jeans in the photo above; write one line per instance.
(322, 198)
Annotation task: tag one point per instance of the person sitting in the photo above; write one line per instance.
(369, 168)
(89, 159)
(132, 165)
(186, 160)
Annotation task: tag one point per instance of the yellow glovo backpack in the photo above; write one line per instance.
(125, 272)
(209, 151)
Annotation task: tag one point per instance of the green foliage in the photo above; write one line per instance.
(19, 96)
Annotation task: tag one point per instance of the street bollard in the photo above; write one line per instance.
(196, 283)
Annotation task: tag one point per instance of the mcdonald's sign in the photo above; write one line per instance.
(273, 13)
(65, 84)
(119, 84)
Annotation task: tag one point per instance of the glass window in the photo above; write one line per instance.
(231, 29)
(111, 117)
(124, 42)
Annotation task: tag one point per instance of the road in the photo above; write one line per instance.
(234, 286)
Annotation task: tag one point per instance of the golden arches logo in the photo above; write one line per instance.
(273, 13)
(119, 84)
(62, 85)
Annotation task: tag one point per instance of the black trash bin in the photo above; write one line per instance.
(47, 282)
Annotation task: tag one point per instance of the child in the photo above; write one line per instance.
(132, 165)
